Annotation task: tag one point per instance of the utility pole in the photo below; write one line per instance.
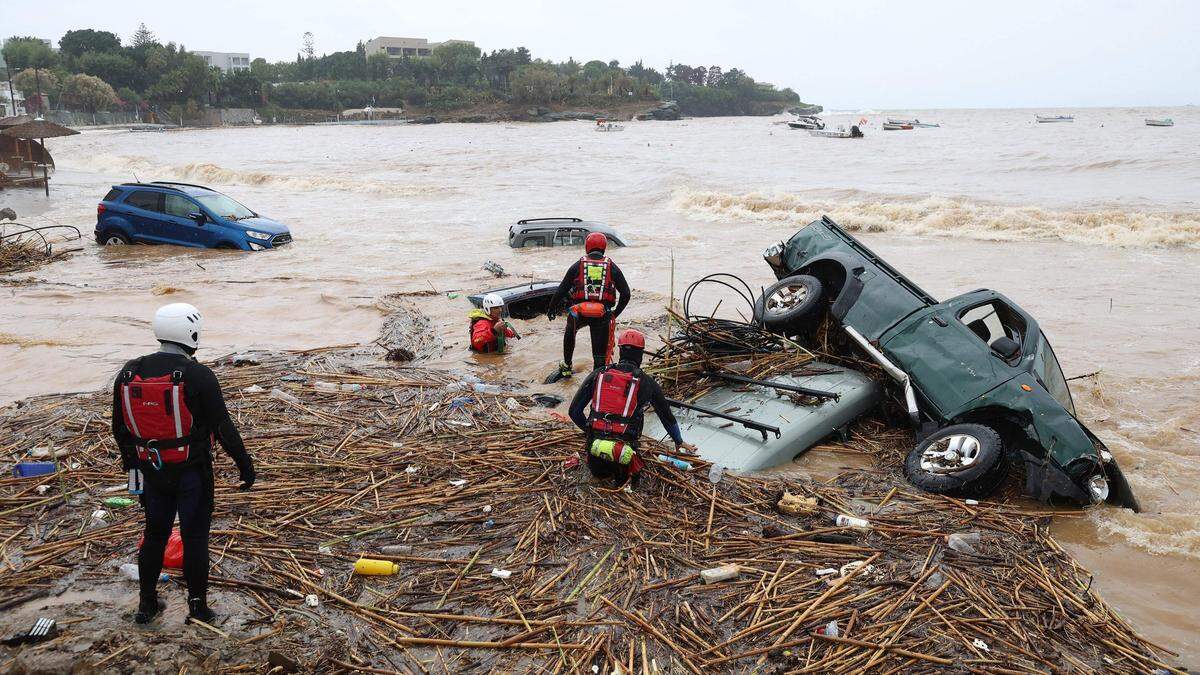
(12, 98)
(38, 78)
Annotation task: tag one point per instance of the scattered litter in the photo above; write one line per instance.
(980, 644)
(372, 567)
(39, 453)
(681, 464)
(826, 571)
(487, 508)
(461, 402)
(722, 573)
(118, 502)
(494, 268)
(42, 629)
(43, 489)
(489, 522)
(327, 550)
(458, 482)
(964, 542)
(971, 502)
(501, 574)
(253, 389)
(411, 468)
(322, 385)
(396, 549)
(843, 520)
(352, 387)
(30, 469)
(483, 388)
(99, 518)
(283, 395)
(547, 400)
(849, 567)
(512, 403)
(830, 629)
(293, 378)
(571, 462)
(130, 572)
(795, 505)
(312, 600)
(715, 472)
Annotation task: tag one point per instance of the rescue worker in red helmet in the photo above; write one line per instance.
(167, 413)
(618, 394)
(489, 330)
(598, 294)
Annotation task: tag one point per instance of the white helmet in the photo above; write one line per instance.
(492, 300)
(180, 323)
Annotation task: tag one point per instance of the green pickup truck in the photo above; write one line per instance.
(977, 376)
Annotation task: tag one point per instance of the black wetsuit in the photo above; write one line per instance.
(598, 326)
(185, 488)
(649, 394)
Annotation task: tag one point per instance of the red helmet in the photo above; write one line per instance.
(595, 241)
(632, 338)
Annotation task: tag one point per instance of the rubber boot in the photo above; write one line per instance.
(563, 372)
(149, 609)
(198, 609)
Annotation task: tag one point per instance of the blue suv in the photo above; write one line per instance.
(187, 215)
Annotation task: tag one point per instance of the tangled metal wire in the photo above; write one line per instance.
(712, 336)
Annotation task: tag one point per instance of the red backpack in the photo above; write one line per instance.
(594, 282)
(157, 415)
(614, 402)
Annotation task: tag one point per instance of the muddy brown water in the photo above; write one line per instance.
(1092, 227)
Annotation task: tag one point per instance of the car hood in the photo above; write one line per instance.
(261, 224)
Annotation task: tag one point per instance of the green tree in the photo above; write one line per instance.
(142, 36)
(28, 52)
(118, 69)
(538, 83)
(456, 63)
(76, 42)
(29, 82)
(88, 92)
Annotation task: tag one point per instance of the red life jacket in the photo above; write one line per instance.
(594, 282)
(615, 403)
(157, 415)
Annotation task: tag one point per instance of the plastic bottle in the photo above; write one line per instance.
(483, 388)
(850, 521)
(715, 472)
(118, 502)
(369, 566)
(681, 464)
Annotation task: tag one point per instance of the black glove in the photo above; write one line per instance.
(551, 314)
(247, 476)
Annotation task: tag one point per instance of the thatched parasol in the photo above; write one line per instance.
(14, 120)
(41, 130)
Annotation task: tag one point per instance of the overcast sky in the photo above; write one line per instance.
(843, 55)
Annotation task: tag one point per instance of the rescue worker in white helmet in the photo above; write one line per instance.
(618, 394)
(167, 413)
(489, 330)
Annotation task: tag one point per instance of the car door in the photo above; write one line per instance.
(177, 214)
(145, 215)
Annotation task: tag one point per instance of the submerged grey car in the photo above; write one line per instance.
(558, 232)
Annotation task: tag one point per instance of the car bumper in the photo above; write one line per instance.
(274, 242)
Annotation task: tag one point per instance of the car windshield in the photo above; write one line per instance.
(225, 207)
(1047, 370)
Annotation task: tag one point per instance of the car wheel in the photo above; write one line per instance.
(790, 305)
(225, 246)
(963, 460)
(114, 238)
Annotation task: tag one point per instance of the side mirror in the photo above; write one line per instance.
(199, 217)
(1006, 348)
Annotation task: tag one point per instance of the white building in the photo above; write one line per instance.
(10, 104)
(399, 47)
(226, 61)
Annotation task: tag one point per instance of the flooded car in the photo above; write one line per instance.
(558, 232)
(523, 301)
(976, 374)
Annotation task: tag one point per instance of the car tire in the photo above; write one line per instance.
(976, 478)
(226, 246)
(113, 238)
(790, 305)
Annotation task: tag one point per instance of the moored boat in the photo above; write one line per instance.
(1044, 119)
(1164, 122)
(892, 126)
(841, 132)
(605, 125)
(807, 122)
(915, 123)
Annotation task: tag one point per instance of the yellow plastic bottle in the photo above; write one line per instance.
(375, 567)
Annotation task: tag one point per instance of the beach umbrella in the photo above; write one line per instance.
(41, 130)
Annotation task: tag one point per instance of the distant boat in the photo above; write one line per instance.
(1165, 122)
(916, 123)
(807, 122)
(841, 132)
(893, 126)
(605, 125)
(1045, 119)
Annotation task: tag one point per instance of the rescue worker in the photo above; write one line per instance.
(489, 330)
(618, 394)
(598, 294)
(167, 412)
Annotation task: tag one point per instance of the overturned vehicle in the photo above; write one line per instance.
(977, 376)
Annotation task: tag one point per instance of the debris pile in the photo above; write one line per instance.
(24, 248)
(504, 556)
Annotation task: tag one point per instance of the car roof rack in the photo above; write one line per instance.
(175, 182)
(526, 221)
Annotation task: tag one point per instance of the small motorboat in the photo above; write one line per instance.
(892, 126)
(1046, 119)
(841, 132)
(1165, 122)
(809, 122)
(915, 123)
(605, 125)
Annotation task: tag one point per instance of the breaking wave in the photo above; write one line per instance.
(948, 217)
(208, 173)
